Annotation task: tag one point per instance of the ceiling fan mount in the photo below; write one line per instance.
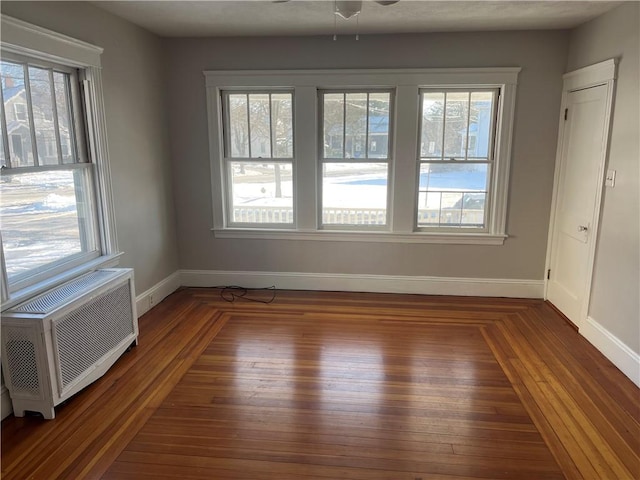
(349, 8)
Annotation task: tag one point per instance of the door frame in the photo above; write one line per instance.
(603, 73)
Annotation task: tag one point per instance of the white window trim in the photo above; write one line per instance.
(22, 38)
(406, 83)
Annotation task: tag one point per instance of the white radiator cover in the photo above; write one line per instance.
(59, 342)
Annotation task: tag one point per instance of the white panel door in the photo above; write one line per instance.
(577, 198)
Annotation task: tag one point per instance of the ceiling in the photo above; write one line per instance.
(215, 18)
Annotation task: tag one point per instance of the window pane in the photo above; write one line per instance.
(42, 105)
(260, 125)
(378, 146)
(238, 134)
(455, 130)
(355, 125)
(432, 124)
(282, 118)
(46, 218)
(452, 195)
(261, 192)
(17, 118)
(480, 119)
(333, 111)
(354, 193)
(65, 124)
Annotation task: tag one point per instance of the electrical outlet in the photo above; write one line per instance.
(151, 301)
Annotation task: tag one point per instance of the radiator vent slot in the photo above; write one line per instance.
(93, 330)
(23, 364)
(47, 302)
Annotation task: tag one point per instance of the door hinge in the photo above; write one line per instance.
(549, 274)
(566, 113)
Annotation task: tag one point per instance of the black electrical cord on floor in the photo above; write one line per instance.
(230, 293)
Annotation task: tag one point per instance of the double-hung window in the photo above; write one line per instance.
(55, 215)
(457, 134)
(258, 163)
(355, 158)
(46, 188)
(404, 155)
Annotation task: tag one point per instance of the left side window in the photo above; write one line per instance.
(258, 158)
(48, 208)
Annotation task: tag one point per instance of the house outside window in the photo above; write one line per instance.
(417, 155)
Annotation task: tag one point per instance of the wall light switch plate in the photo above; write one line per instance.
(610, 180)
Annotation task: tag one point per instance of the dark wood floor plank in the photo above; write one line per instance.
(232, 469)
(557, 443)
(346, 426)
(327, 385)
(598, 416)
(482, 468)
(123, 430)
(24, 437)
(541, 380)
(76, 433)
(28, 431)
(320, 358)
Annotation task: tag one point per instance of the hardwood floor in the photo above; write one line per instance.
(343, 386)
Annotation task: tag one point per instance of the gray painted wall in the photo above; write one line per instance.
(542, 56)
(615, 296)
(134, 93)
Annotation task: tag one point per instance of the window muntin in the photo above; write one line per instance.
(456, 153)
(258, 162)
(355, 133)
(47, 202)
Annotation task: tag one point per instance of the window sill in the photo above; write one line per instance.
(19, 296)
(375, 237)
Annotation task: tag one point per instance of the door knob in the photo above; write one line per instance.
(582, 228)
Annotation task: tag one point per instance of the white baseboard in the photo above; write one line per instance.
(613, 348)
(482, 287)
(151, 297)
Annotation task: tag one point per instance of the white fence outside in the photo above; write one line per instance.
(357, 216)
